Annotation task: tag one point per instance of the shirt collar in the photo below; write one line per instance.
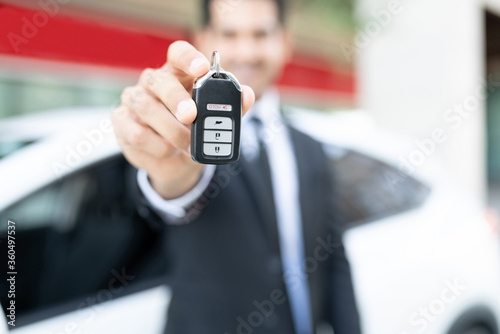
(266, 108)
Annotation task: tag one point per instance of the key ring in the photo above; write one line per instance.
(216, 63)
(216, 71)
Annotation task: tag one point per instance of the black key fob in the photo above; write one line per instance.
(215, 133)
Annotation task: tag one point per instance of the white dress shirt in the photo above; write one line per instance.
(284, 176)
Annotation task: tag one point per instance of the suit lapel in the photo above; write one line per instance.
(305, 169)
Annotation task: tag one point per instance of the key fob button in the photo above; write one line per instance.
(219, 150)
(217, 136)
(218, 123)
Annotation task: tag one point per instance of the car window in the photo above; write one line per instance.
(76, 235)
(10, 146)
(368, 189)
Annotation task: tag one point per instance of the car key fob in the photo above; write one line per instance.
(215, 133)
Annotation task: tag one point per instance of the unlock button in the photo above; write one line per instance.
(219, 150)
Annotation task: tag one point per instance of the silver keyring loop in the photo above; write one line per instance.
(216, 63)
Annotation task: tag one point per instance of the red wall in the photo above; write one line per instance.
(47, 34)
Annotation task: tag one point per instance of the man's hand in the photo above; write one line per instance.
(152, 124)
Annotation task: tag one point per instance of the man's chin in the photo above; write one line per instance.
(258, 87)
(245, 80)
(258, 92)
(250, 78)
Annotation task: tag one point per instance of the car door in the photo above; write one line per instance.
(82, 245)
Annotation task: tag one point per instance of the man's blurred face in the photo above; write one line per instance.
(250, 39)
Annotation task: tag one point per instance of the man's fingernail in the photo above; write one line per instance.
(195, 64)
(184, 106)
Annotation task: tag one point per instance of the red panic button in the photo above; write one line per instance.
(219, 107)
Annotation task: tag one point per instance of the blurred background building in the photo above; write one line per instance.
(85, 52)
(431, 69)
(427, 68)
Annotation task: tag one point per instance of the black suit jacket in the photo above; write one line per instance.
(224, 266)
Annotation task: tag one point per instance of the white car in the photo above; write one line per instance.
(424, 258)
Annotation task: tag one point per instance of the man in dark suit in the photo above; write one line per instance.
(252, 247)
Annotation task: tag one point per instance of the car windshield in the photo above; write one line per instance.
(370, 189)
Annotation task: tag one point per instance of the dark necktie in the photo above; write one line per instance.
(260, 183)
(299, 296)
(261, 161)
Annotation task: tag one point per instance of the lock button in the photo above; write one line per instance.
(217, 136)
